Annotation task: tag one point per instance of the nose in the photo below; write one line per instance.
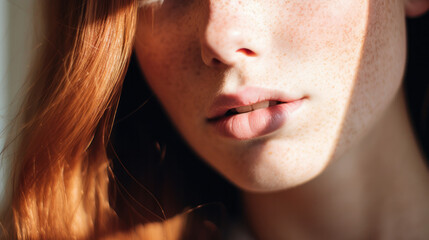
(228, 37)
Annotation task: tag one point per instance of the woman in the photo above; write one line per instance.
(299, 104)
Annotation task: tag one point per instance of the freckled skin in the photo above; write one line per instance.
(346, 57)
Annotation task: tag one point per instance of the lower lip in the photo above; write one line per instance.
(257, 123)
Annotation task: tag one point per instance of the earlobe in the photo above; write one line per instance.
(416, 8)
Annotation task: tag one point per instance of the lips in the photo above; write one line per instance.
(253, 107)
(251, 113)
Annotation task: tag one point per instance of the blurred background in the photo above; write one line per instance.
(16, 50)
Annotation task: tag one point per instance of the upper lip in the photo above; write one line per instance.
(244, 97)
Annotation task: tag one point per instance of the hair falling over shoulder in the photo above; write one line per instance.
(61, 170)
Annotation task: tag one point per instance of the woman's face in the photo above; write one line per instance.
(269, 92)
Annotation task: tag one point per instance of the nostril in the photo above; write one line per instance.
(216, 61)
(210, 59)
(247, 52)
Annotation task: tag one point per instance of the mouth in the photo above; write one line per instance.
(247, 108)
(251, 113)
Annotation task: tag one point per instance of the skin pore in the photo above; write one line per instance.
(346, 164)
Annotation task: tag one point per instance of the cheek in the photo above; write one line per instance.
(324, 47)
(309, 29)
(161, 61)
(352, 63)
(348, 54)
(167, 61)
(381, 69)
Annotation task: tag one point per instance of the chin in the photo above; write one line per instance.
(266, 183)
(272, 172)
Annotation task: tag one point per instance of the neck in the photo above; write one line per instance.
(379, 189)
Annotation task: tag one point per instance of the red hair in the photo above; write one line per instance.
(61, 171)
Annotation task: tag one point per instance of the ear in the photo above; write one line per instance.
(415, 8)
